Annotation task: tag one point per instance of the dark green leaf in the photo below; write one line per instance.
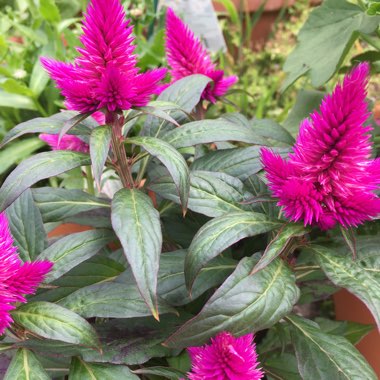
(111, 300)
(52, 321)
(281, 366)
(271, 130)
(25, 366)
(137, 224)
(167, 373)
(80, 370)
(99, 147)
(237, 162)
(356, 276)
(16, 101)
(51, 125)
(26, 226)
(171, 278)
(325, 39)
(323, 356)
(69, 251)
(211, 194)
(242, 304)
(280, 244)
(210, 131)
(173, 161)
(58, 204)
(36, 168)
(220, 233)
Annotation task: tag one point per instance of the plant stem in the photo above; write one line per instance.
(90, 181)
(121, 162)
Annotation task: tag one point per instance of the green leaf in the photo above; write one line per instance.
(49, 11)
(25, 366)
(26, 226)
(158, 113)
(186, 92)
(39, 77)
(271, 130)
(80, 370)
(357, 276)
(137, 224)
(69, 251)
(281, 366)
(307, 101)
(211, 194)
(280, 244)
(231, 9)
(99, 147)
(52, 321)
(17, 152)
(96, 270)
(242, 304)
(50, 125)
(237, 162)
(171, 277)
(36, 168)
(210, 131)
(219, 234)
(12, 86)
(173, 161)
(325, 39)
(16, 101)
(111, 300)
(58, 204)
(167, 373)
(323, 356)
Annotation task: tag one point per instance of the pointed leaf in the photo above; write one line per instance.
(99, 147)
(71, 123)
(242, 304)
(36, 168)
(51, 125)
(174, 162)
(282, 241)
(80, 370)
(111, 300)
(52, 321)
(322, 356)
(69, 251)
(354, 275)
(58, 204)
(30, 236)
(210, 131)
(167, 373)
(211, 194)
(25, 366)
(137, 225)
(219, 234)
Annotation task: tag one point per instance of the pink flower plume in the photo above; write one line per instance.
(68, 142)
(16, 278)
(187, 56)
(226, 358)
(104, 76)
(330, 177)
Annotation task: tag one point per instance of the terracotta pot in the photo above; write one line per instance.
(264, 26)
(67, 229)
(350, 308)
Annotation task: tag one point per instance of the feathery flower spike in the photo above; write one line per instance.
(186, 56)
(16, 278)
(226, 358)
(104, 76)
(330, 177)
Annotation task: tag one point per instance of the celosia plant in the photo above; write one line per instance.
(162, 243)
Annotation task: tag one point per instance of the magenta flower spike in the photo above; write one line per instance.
(104, 76)
(68, 142)
(187, 56)
(16, 278)
(330, 177)
(226, 358)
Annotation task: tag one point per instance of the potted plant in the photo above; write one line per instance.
(231, 231)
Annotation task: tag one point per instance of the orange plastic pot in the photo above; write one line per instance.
(350, 308)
